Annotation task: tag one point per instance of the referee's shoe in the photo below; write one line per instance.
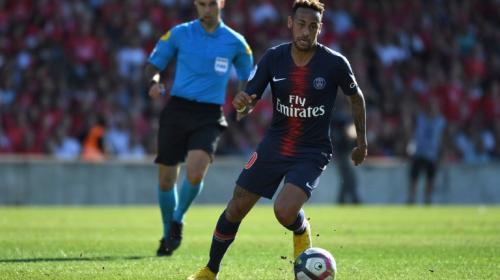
(170, 244)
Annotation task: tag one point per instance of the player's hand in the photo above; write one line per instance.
(243, 104)
(156, 90)
(358, 154)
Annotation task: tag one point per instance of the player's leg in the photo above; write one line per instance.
(342, 196)
(225, 230)
(288, 211)
(260, 177)
(167, 199)
(350, 181)
(228, 224)
(201, 145)
(197, 163)
(414, 171)
(300, 180)
(429, 186)
(172, 137)
(348, 191)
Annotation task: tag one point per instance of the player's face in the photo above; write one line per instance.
(305, 26)
(209, 10)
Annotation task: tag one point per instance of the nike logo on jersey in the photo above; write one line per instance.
(309, 185)
(277, 80)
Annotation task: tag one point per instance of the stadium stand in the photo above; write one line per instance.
(66, 66)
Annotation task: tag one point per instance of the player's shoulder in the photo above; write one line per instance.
(234, 37)
(278, 50)
(276, 55)
(332, 56)
(232, 34)
(283, 47)
(177, 30)
(184, 26)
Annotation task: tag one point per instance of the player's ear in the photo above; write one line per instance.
(290, 22)
(222, 3)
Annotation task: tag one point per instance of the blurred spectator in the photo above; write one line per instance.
(426, 148)
(135, 149)
(93, 144)
(5, 145)
(67, 60)
(474, 143)
(63, 146)
(117, 137)
(343, 139)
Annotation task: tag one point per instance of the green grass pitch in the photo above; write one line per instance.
(368, 242)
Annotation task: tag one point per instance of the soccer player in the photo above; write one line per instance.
(192, 121)
(304, 77)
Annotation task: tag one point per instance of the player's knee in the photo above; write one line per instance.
(284, 214)
(166, 185)
(167, 180)
(194, 177)
(235, 211)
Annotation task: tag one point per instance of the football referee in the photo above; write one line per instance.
(192, 121)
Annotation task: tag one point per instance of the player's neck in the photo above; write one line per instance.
(210, 27)
(302, 58)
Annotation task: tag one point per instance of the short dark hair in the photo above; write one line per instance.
(310, 4)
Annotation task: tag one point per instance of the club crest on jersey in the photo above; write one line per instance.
(221, 65)
(319, 83)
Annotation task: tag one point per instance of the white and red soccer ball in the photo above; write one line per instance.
(315, 264)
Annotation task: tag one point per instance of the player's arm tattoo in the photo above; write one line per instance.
(359, 115)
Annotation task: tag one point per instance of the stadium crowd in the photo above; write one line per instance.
(71, 72)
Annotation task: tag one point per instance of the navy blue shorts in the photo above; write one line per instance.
(264, 172)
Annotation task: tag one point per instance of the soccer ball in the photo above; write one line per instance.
(315, 264)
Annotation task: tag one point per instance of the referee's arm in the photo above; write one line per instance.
(152, 77)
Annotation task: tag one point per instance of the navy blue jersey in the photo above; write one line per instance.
(303, 98)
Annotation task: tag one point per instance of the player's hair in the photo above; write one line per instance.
(311, 4)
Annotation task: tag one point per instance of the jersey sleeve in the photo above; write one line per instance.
(243, 61)
(165, 49)
(260, 76)
(345, 77)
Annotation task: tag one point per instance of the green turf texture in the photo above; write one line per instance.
(368, 242)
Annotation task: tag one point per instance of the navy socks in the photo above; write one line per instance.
(224, 235)
(300, 224)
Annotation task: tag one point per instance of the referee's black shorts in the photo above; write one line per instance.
(188, 125)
